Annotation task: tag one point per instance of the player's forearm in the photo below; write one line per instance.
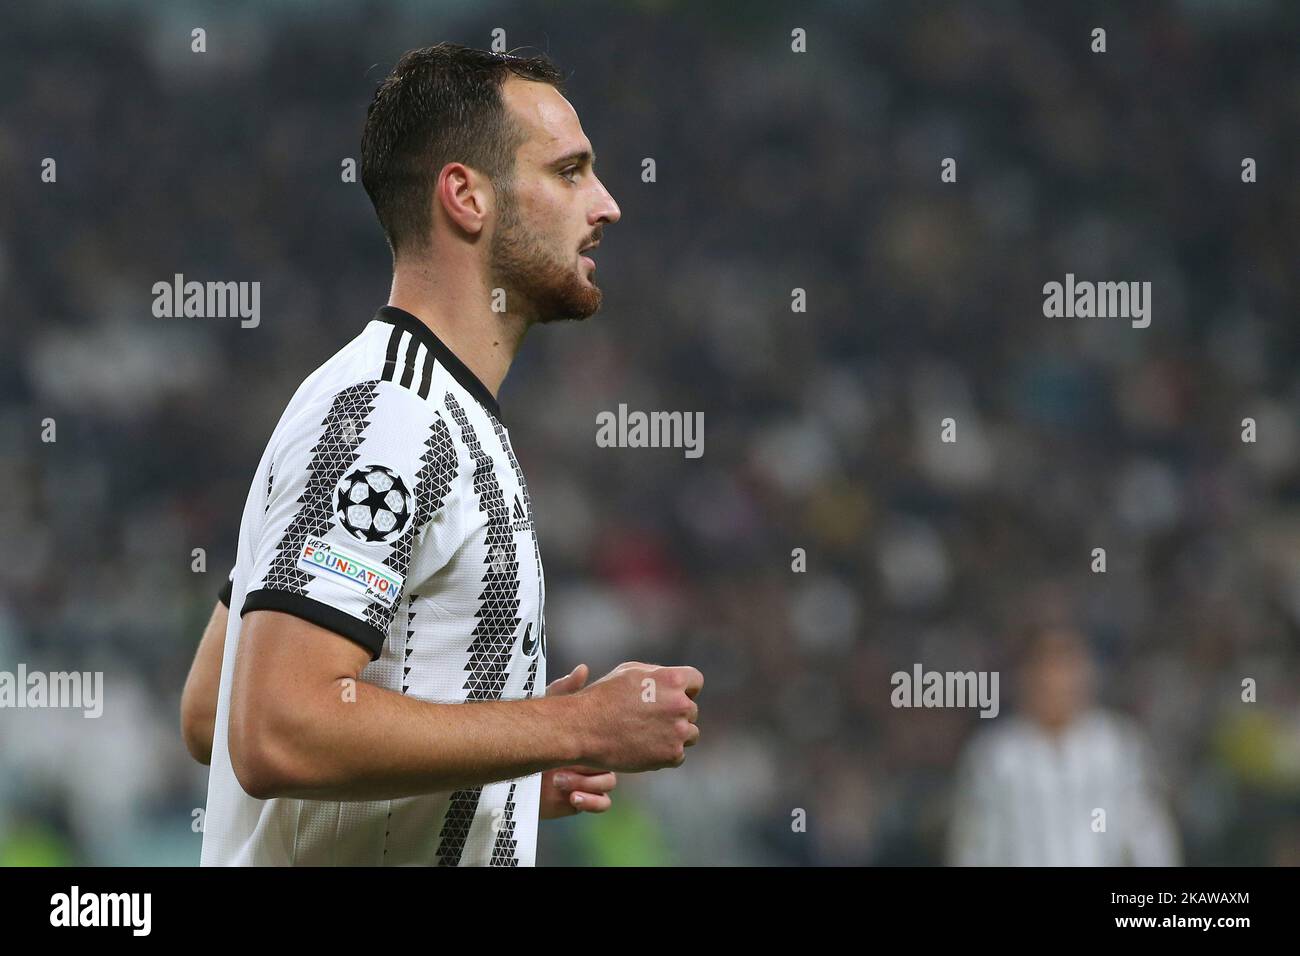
(198, 716)
(199, 698)
(362, 742)
(197, 731)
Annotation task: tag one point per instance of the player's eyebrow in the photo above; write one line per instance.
(579, 156)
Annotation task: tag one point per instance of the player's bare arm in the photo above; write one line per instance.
(303, 724)
(565, 790)
(574, 789)
(199, 698)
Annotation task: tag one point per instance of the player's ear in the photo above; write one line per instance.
(464, 197)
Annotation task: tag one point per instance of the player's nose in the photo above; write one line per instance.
(606, 209)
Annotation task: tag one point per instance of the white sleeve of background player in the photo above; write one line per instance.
(357, 480)
(973, 826)
(1151, 834)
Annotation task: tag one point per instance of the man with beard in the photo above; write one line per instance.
(376, 700)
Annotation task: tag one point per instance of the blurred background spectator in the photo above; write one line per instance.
(1062, 783)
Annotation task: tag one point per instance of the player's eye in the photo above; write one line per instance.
(569, 173)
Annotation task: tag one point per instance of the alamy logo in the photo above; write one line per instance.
(208, 300)
(1103, 300)
(923, 688)
(626, 429)
(59, 689)
(103, 909)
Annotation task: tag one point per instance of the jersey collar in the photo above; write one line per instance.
(459, 370)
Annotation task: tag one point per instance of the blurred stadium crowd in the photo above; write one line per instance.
(775, 171)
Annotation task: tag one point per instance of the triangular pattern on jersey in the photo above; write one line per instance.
(335, 451)
(437, 471)
(493, 639)
(527, 513)
(503, 851)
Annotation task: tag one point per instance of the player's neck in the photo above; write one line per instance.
(461, 317)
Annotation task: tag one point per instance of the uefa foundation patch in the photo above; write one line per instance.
(321, 557)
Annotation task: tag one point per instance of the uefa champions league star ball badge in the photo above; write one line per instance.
(372, 503)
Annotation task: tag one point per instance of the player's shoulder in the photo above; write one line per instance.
(417, 361)
(387, 360)
(1113, 727)
(396, 378)
(992, 747)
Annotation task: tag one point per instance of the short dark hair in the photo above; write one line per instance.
(440, 104)
(1041, 640)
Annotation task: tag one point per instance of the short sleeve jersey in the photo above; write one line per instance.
(390, 509)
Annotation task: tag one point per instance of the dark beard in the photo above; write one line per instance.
(550, 289)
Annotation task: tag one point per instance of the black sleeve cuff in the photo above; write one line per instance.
(318, 613)
(226, 592)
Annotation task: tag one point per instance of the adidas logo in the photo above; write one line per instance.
(521, 520)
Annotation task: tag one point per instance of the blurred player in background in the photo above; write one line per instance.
(376, 700)
(1032, 789)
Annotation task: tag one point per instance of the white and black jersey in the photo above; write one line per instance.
(1084, 797)
(389, 508)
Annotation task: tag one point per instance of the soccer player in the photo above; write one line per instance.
(1029, 791)
(379, 693)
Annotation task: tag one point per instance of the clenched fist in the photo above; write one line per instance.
(640, 717)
